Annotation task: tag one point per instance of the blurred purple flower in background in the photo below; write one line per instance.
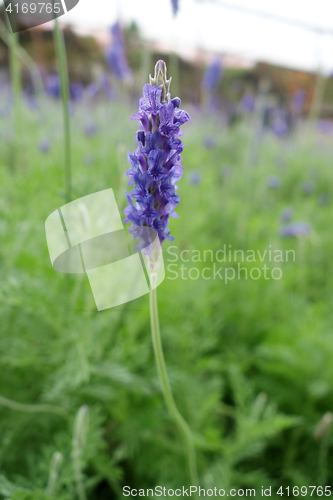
(212, 76)
(44, 145)
(91, 130)
(76, 91)
(100, 88)
(287, 214)
(106, 87)
(156, 163)
(5, 109)
(325, 126)
(92, 90)
(279, 123)
(308, 187)
(115, 54)
(195, 177)
(273, 181)
(32, 101)
(295, 229)
(209, 143)
(298, 101)
(175, 6)
(247, 103)
(52, 85)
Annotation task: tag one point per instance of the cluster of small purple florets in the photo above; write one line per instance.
(156, 163)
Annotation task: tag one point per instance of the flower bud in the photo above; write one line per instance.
(160, 79)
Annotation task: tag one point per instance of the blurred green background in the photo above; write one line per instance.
(250, 360)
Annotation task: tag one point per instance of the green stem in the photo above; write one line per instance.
(79, 440)
(317, 101)
(168, 396)
(32, 408)
(63, 70)
(25, 58)
(174, 71)
(13, 44)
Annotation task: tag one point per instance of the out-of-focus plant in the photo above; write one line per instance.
(63, 70)
(115, 54)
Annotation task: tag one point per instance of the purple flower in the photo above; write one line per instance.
(279, 124)
(209, 143)
(287, 214)
(308, 187)
(151, 100)
(105, 87)
(115, 54)
(295, 229)
(102, 86)
(52, 85)
(273, 181)
(325, 126)
(76, 91)
(32, 101)
(175, 6)
(247, 103)
(44, 145)
(298, 101)
(212, 76)
(5, 110)
(195, 177)
(155, 166)
(90, 130)
(168, 127)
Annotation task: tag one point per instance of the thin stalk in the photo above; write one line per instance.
(32, 408)
(317, 100)
(174, 71)
(13, 44)
(319, 91)
(55, 465)
(323, 461)
(24, 56)
(79, 440)
(167, 393)
(63, 70)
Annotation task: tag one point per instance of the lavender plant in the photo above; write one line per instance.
(175, 6)
(155, 164)
(212, 76)
(295, 229)
(115, 54)
(155, 170)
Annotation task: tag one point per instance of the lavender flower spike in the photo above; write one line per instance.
(175, 6)
(156, 163)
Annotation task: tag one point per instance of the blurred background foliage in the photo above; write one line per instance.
(250, 361)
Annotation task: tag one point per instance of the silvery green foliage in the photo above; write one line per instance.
(252, 363)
